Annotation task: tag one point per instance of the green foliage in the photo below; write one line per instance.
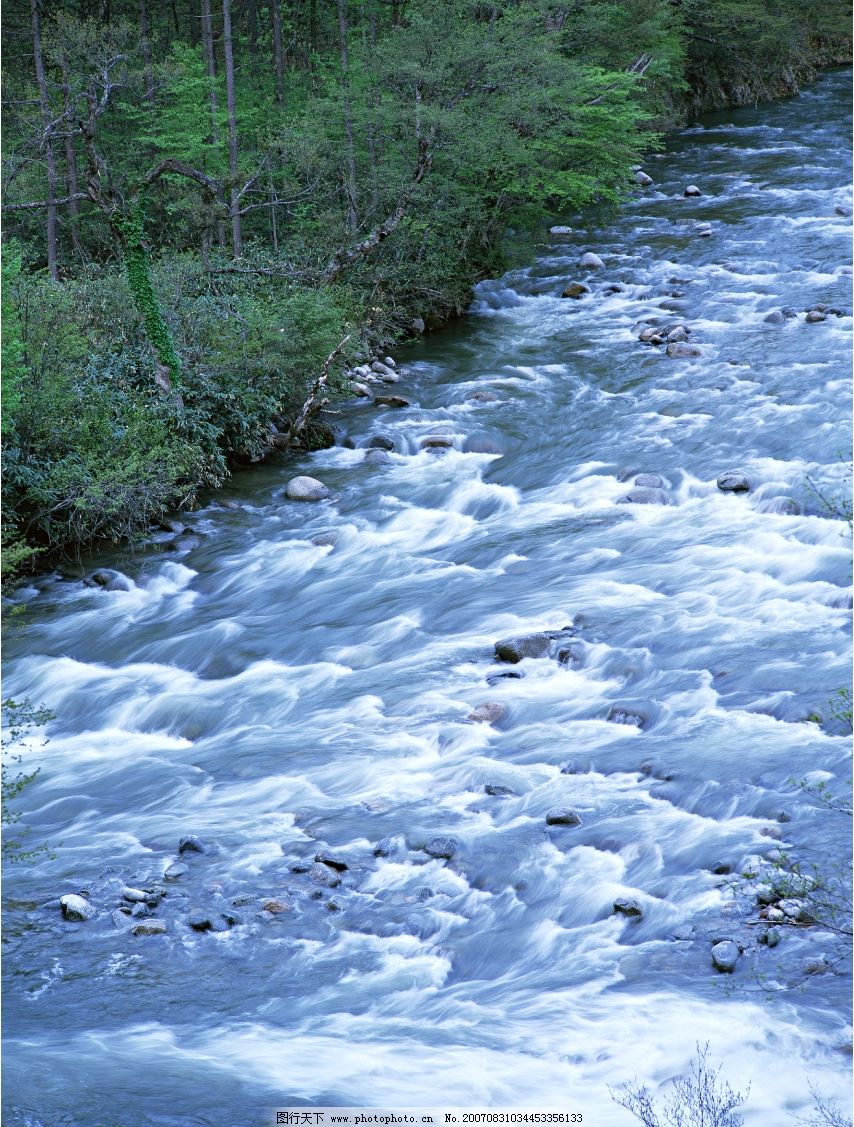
(19, 720)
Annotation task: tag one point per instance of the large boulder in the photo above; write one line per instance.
(306, 489)
(642, 179)
(443, 848)
(519, 646)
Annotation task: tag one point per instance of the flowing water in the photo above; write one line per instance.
(278, 697)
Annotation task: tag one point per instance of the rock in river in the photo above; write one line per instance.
(591, 261)
(680, 350)
(625, 907)
(642, 179)
(322, 874)
(76, 908)
(522, 645)
(724, 956)
(109, 580)
(562, 816)
(643, 496)
(150, 927)
(306, 489)
(488, 712)
(734, 481)
(391, 401)
(692, 190)
(443, 848)
(575, 289)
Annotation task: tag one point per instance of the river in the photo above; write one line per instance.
(278, 697)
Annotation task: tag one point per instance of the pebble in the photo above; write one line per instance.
(333, 861)
(520, 646)
(733, 481)
(443, 848)
(150, 927)
(135, 895)
(322, 874)
(277, 905)
(575, 289)
(76, 908)
(490, 712)
(391, 401)
(725, 955)
(305, 488)
(562, 816)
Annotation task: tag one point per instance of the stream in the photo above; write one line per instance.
(292, 678)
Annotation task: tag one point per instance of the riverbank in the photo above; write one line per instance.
(101, 441)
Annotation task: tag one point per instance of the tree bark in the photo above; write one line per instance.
(350, 185)
(278, 52)
(252, 26)
(146, 52)
(228, 50)
(210, 64)
(44, 102)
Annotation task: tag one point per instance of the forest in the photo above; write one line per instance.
(208, 204)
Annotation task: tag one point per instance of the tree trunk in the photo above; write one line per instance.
(350, 188)
(228, 50)
(210, 64)
(146, 52)
(278, 53)
(252, 26)
(71, 177)
(52, 257)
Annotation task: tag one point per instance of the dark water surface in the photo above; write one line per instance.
(277, 697)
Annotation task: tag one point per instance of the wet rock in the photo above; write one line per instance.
(591, 261)
(381, 442)
(692, 190)
(498, 791)
(169, 524)
(680, 350)
(482, 397)
(108, 580)
(838, 311)
(792, 909)
(323, 875)
(443, 848)
(703, 230)
(614, 287)
(623, 716)
(788, 312)
(122, 920)
(417, 326)
(724, 956)
(642, 179)
(772, 832)
(645, 497)
(192, 844)
(385, 848)
(843, 209)
(570, 655)
(390, 362)
(332, 860)
(721, 868)
(672, 305)
(300, 866)
(244, 900)
(176, 870)
(771, 936)
(391, 401)
(560, 230)
(562, 816)
(376, 458)
(650, 481)
(814, 316)
(774, 915)
(435, 441)
(360, 389)
(775, 318)
(76, 908)
(305, 488)
(278, 905)
(135, 895)
(489, 712)
(626, 907)
(231, 919)
(333, 905)
(519, 646)
(150, 927)
(575, 289)
(325, 540)
(734, 481)
(200, 921)
(765, 894)
(647, 334)
(677, 334)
